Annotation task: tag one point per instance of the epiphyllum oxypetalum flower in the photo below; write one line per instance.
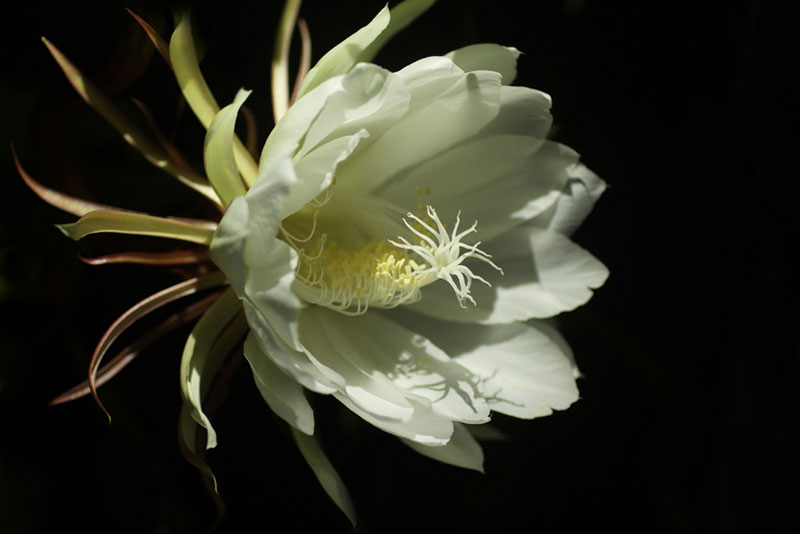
(354, 273)
(345, 251)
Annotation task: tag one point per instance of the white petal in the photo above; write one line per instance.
(429, 128)
(424, 426)
(544, 274)
(461, 169)
(368, 98)
(336, 346)
(283, 394)
(227, 247)
(343, 56)
(576, 202)
(266, 200)
(428, 77)
(383, 349)
(269, 290)
(549, 330)
(292, 361)
(533, 187)
(328, 478)
(525, 373)
(487, 56)
(501, 181)
(318, 168)
(523, 111)
(287, 135)
(462, 450)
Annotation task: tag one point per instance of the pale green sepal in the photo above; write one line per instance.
(130, 133)
(218, 151)
(341, 58)
(280, 59)
(187, 440)
(487, 56)
(461, 451)
(188, 427)
(328, 478)
(126, 222)
(402, 15)
(198, 95)
(197, 364)
(187, 71)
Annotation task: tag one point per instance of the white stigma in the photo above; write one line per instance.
(386, 274)
(445, 253)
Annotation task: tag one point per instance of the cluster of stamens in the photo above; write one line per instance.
(389, 273)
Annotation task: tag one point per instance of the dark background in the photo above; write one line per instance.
(688, 416)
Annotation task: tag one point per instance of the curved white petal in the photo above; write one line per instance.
(366, 98)
(288, 134)
(428, 128)
(283, 394)
(544, 274)
(318, 168)
(461, 451)
(227, 246)
(424, 426)
(428, 77)
(523, 111)
(546, 327)
(265, 202)
(292, 361)
(384, 351)
(487, 56)
(469, 166)
(574, 205)
(527, 375)
(524, 371)
(501, 181)
(339, 348)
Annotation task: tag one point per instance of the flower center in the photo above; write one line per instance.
(386, 274)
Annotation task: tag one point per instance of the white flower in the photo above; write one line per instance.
(345, 246)
(359, 280)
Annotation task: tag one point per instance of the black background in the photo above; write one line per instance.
(688, 416)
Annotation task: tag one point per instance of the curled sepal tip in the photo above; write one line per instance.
(62, 201)
(158, 41)
(129, 353)
(141, 309)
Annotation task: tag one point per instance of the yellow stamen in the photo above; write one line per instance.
(386, 274)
